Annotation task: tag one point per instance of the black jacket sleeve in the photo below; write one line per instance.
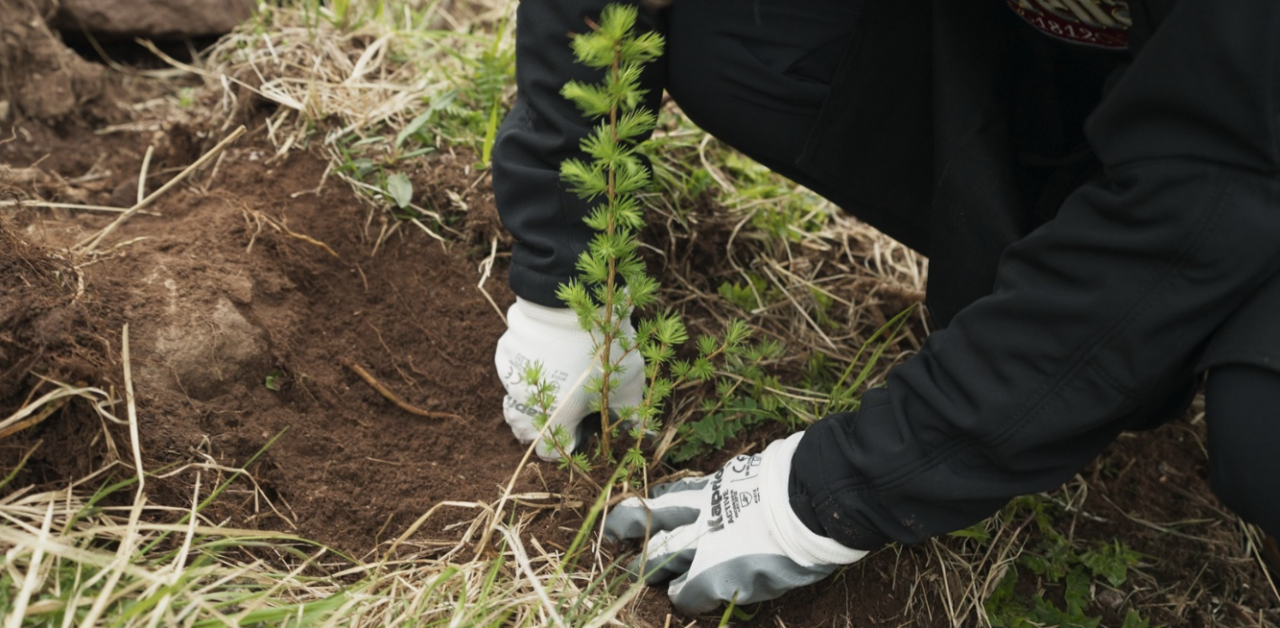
(1097, 317)
(542, 130)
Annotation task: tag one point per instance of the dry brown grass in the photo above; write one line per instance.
(71, 561)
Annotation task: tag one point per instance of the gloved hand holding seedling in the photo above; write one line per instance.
(561, 365)
(549, 360)
(732, 536)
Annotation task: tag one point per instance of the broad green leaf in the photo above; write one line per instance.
(400, 189)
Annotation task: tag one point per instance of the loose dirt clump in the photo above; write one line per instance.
(251, 308)
(50, 331)
(152, 19)
(39, 76)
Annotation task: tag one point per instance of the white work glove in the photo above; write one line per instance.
(731, 534)
(552, 336)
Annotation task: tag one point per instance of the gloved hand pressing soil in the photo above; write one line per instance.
(731, 536)
(552, 337)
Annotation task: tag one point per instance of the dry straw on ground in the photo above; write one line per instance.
(197, 572)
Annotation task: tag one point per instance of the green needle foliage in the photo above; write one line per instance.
(613, 280)
(610, 179)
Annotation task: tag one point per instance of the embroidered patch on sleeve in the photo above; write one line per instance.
(1097, 23)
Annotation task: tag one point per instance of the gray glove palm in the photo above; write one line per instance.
(732, 535)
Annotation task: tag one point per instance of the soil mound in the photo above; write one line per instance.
(39, 76)
(152, 18)
(249, 305)
(49, 330)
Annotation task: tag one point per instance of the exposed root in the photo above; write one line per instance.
(392, 397)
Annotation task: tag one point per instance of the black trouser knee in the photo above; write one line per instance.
(758, 74)
(1242, 411)
(755, 74)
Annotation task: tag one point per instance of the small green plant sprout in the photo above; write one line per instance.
(613, 280)
(274, 381)
(1060, 569)
(544, 399)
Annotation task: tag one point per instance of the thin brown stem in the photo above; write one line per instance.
(607, 335)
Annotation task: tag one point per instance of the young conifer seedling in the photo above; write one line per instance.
(612, 279)
(611, 179)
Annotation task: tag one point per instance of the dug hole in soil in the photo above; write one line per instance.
(241, 330)
(258, 285)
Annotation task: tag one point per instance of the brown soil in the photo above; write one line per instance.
(266, 276)
(254, 291)
(39, 77)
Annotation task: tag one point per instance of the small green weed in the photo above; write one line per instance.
(400, 189)
(744, 398)
(274, 381)
(478, 100)
(846, 395)
(345, 15)
(754, 293)
(1055, 560)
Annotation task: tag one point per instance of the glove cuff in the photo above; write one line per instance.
(560, 318)
(796, 540)
(556, 319)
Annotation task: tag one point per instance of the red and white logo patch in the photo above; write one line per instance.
(1097, 23)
